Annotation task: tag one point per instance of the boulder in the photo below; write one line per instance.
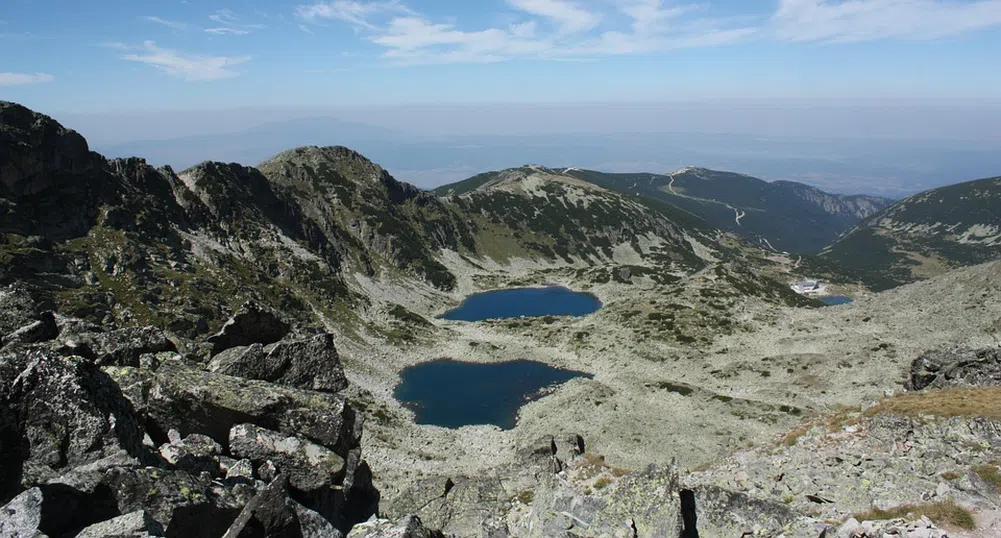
(308, 466)
(59, 413)
(42, 329)
(22, 516)
(314, 525)
(18, 307)
(956, 367)
(270, 514)
(311, 363)
(121, 347)
(136, 524)
(185, 504)
(179, 396)
(408, 527)
(250, 325)
(50, 510)
(195, 454)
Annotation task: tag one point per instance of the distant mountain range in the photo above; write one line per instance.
(924, 235)
(781, 215)
(429, 158)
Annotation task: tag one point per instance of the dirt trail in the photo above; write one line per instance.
(738, 214)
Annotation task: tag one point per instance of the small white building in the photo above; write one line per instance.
(806, 286)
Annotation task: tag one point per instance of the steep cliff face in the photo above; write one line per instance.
(925, 235)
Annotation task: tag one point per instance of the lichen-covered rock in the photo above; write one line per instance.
(121, 347)
(337, 488)
(180, 396)
(408, 527)
(194, 454)
(307, 465)
(185, 504)
(270, 514)
(136, 524)
(251, 325)
(311, 363)
(42, 329)
(59, 413)
(22, 516)
(956, 367)
(314, 525)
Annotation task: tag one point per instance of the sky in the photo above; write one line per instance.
(104, 56)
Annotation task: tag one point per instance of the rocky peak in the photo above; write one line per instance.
(858, 206)
(344, 161)
(35, 150)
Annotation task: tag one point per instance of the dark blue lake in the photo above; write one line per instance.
(452, 394)
(528, 302)
(836, 300)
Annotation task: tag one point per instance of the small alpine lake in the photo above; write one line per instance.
(453, 394)
(524, 302)
(832, 300)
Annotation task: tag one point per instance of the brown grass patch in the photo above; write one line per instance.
(955, 402)
(941, 513)
(595, 465)
(990, 473)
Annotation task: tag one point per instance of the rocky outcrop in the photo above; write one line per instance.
(408, 527)
(36, 152)
(271, 513)
(251, 325)
(137, 524)
(309, 363)
(956, 368)
(59, 413)
(112, 433)
(182, 397)
(121, 347)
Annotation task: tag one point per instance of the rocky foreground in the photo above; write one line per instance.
(250, 433)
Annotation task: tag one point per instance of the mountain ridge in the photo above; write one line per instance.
(925, 234)
(782, 215)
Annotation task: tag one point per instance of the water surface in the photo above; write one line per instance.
(832, 300)
(453, 394)
(528, 302)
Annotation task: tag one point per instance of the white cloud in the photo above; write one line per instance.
(573, 29)
(21, 79)
(566, 15)
(191, 67)
(165, 22)
(229, 24)
(546, 29)
(350, 11)
(865, 20)
(224, 30)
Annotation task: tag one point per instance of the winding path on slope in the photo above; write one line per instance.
(738, 214)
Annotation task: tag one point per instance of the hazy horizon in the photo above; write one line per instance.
(876, 96)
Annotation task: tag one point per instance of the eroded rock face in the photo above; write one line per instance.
(956, 368)
(137, 524)
(251, 325)
(307, 465)
(180, 396)
(408, 527)
(310, 363)
(35, 151)
(271, 513)
(120, 347)
(59, 413)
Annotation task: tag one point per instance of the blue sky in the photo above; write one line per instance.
(110, 55)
